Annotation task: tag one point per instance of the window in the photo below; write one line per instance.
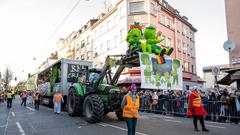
(184, 31)
(192, 52)
(88, 55)
(82, 43)
(162, 19)
(193, 71)
(122, 12)
(165, 4)
(178, 27)
(152, 9)
(136, 7)
(95, 54)
(191, 36)
(183, 47)
(122, 35)
(82, 57)
(116, 41)
(167, 23)
(164, 41)
(108, 44)
(189, 68)
(168, 42)
(185, 66)
(187, 33)
(188, 51)
(88, 39)
(179, 45)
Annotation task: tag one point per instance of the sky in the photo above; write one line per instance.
(27, 25)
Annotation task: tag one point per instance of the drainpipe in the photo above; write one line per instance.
(148, 11)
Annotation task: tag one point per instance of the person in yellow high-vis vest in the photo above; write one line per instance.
(9, 99)
(130, 106)
(196, 109)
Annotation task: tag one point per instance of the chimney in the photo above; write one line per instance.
(185, 18)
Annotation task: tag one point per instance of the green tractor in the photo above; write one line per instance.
(96, 92)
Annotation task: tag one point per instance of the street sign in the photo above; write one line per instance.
(215, 70)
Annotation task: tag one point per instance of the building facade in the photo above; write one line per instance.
(232, 8)
(209, 77)
(107, 34)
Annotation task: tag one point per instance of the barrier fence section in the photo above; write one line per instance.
(217, 110)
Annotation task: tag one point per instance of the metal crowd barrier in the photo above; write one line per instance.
(217, 110)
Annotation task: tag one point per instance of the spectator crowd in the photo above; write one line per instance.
(220, 105)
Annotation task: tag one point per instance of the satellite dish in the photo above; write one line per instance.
(229, 45)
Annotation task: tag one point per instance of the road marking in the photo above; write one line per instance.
(117, 127)
(30, 108)
(20, 128)
(167, 117)
(177, 121)
(102, 124)
(80, 127)
(5, 130)
(2, 126)
(215, 126)
(34, 129)
(13, 114)
(211, 122)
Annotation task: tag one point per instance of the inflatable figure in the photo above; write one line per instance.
(152, 40)
(133, 38)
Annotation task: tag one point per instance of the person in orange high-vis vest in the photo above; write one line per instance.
(37, 98)
(24, 96)
(130, 106)
(57, 100)
(196, 109)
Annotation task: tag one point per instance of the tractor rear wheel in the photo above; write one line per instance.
(93, 108)
(74, 104)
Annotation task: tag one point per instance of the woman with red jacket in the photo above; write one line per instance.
(196, 109)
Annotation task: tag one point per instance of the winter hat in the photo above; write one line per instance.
(133, 86)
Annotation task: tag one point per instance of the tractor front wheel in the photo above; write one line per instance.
(93, 108)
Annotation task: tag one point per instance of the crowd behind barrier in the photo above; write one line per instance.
(221, 106)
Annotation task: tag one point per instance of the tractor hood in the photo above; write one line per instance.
(106, 88)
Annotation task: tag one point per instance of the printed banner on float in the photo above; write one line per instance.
(160, 76)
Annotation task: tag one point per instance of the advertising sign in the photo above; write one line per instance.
(74, 72)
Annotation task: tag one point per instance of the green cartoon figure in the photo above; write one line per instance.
(167, 79)
(152, 40)
(176, 65)
(157, 77)
(147, 71)
(133, 38)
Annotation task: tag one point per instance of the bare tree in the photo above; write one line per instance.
(7, 77)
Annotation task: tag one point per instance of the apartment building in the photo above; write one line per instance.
(106, 35)
(232, 8)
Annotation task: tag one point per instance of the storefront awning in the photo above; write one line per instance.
(233, 75)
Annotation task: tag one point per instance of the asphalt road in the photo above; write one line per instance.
(27, 121)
